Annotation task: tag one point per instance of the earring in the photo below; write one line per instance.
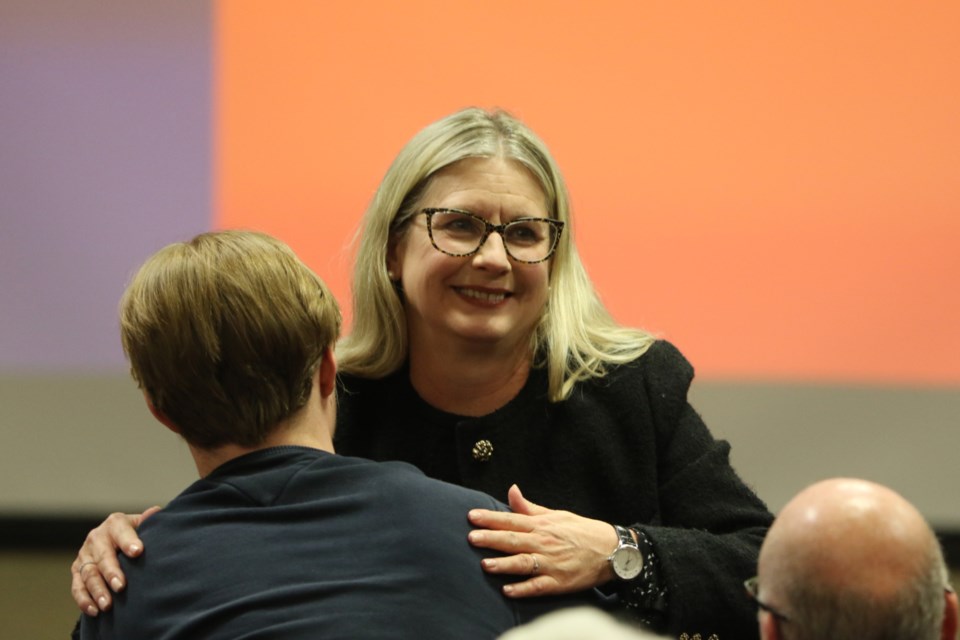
(391, 275)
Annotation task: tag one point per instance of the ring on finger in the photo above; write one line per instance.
(82, 565)
(536, 563)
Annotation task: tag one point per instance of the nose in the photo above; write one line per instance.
(492, 254)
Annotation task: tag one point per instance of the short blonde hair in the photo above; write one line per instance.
(224, 334)
(576, 337)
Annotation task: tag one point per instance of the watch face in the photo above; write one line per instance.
(627, 563)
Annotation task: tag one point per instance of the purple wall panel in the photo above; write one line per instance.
(105, 156)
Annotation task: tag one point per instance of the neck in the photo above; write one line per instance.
(468, 383)
(311, 427)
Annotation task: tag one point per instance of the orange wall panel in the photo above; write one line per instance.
(773, 186)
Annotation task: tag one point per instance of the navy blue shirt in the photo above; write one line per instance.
(292, 542)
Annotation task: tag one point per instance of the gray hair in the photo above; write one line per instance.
(915, 612)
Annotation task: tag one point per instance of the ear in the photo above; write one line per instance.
(951, 617)
(394, 258)
(327, 373)
(160, 415)
(768, 626)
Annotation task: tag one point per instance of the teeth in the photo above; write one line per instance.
(483, 295)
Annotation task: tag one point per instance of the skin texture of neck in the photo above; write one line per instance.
(470, 382)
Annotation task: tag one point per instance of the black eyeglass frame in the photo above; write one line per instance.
(752, 586)
(489, 228)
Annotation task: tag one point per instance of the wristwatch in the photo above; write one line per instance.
(626, 560)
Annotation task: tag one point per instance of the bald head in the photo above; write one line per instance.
(847, 533)
(851, 549)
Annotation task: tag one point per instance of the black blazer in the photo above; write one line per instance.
(626, 449)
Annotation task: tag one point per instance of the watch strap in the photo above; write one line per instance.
(626, 537)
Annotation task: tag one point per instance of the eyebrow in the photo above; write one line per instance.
(511, 218)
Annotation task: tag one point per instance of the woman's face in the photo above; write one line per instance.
(483, 298)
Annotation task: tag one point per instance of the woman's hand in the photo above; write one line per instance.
(559, 550)
(97, 563)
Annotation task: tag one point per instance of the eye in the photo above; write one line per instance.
(527, 232)
(456, 223)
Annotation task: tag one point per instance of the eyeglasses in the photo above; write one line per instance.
(752, 588)
(461, 233)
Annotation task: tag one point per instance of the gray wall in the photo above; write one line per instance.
(87, 445)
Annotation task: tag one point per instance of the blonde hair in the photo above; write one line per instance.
(224, 334)
(576, 336)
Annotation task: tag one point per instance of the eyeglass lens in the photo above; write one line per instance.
(461, 233)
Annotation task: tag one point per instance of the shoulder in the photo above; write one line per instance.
(653, 387)
(410, 484)
(403, 493)
(662, 360)
(662, 370)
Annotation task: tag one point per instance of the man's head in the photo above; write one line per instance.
(852, 559)
(224, 334)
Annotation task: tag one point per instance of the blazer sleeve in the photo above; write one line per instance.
(711, 524)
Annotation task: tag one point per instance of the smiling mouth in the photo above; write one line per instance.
(482, 296)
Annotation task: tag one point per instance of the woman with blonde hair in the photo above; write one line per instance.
(481, 353)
